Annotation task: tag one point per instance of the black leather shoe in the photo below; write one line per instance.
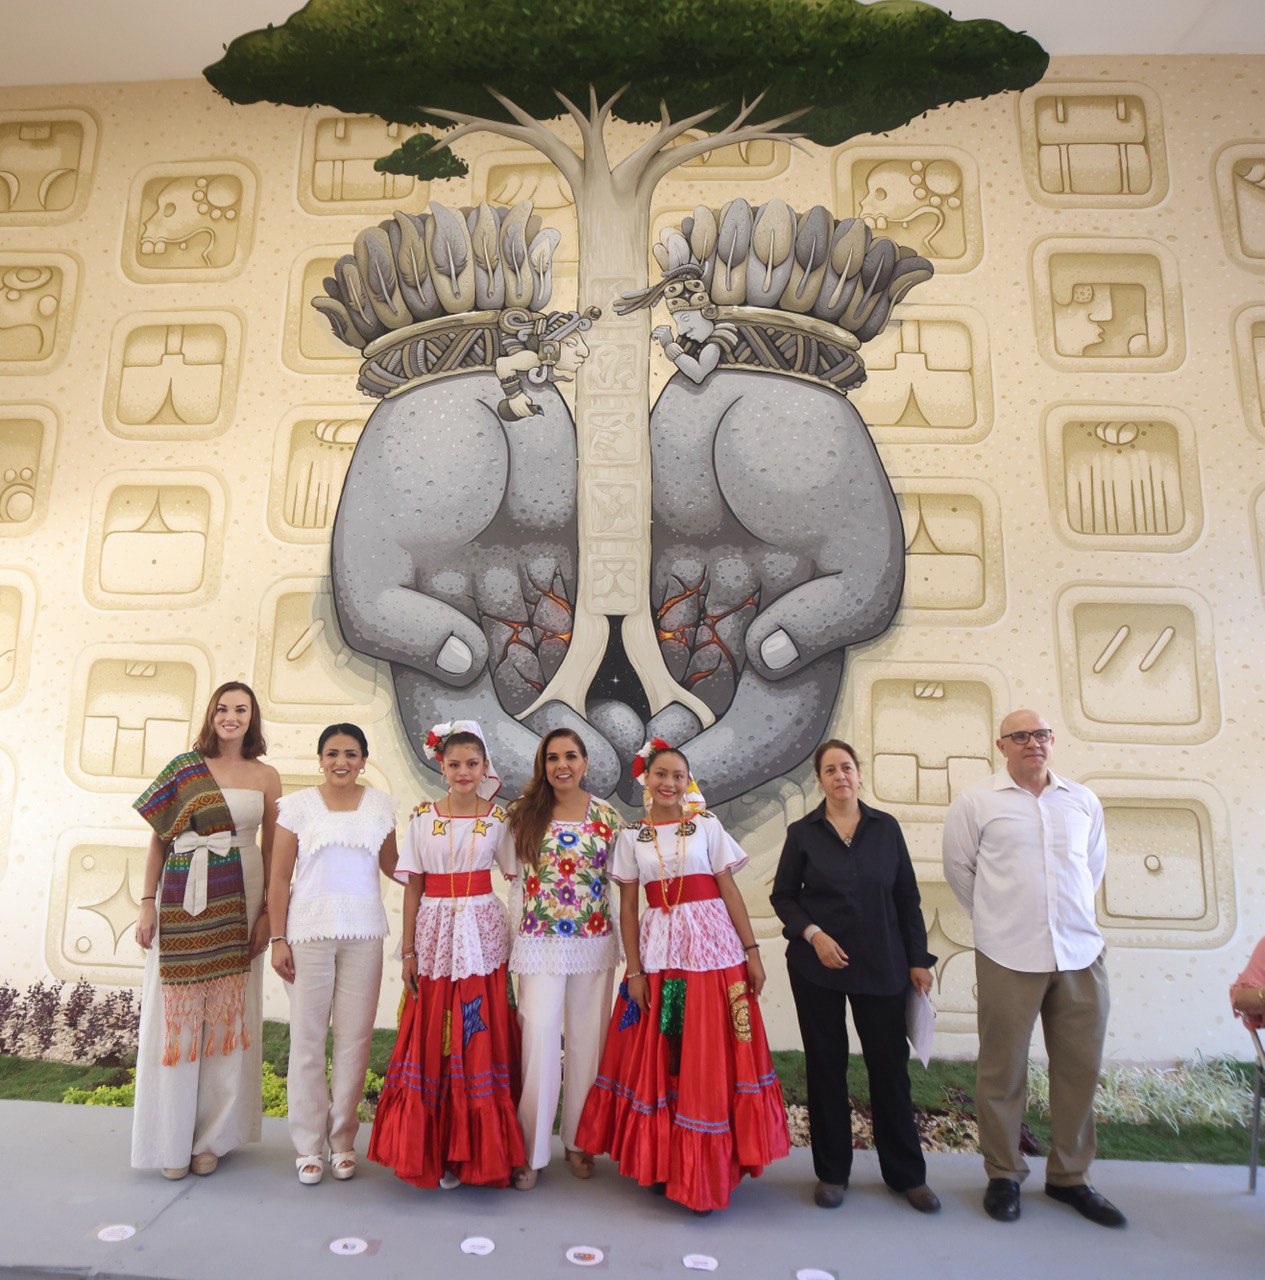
(1088, 1203)
(1001, 1200)
(923, 1199)
(828, 1195)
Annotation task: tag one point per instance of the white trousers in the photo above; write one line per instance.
(551, 1006)
(336, 982)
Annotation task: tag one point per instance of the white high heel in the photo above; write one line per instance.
(342, 1164)
(310, 1168)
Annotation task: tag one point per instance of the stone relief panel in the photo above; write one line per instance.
(1107, 305)
(173, 375)
(304, 673)
(28, 438)
(47, 159)
(1138, 664)
(336, 173)
(1123, 477)
(1170, 872)
(307, 344)
(925, 198)
(1249, 350)
(954, 574)
(745, 162)
(1095, 144)
(189, 220)
(930, 378)
(37, 310)
(133, 706)
(155, 541)
(1238, 174)
(309, 463)
(18, 606)
(93, 906)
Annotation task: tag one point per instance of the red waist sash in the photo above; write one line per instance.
(465, 884)
(664, 893)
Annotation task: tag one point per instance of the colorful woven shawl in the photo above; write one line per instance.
(203, 959)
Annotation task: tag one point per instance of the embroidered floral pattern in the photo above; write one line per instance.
(568, 895)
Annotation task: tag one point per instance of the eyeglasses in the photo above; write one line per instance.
(1021, 736)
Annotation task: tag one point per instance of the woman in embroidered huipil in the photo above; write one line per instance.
(566, 948)
(203, 926)
(686, 1099)
(447, 1111)
(328, 926)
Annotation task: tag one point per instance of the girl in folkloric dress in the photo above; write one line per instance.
(686, 1099)
(203, 924)
(447, 1111)
(566, 948)
(335, 840)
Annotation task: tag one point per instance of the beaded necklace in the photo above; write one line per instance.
(452, 822)
(668, 904)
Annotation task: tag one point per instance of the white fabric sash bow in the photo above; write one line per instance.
(203, 849)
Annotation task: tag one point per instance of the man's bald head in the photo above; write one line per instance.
(1022, 719)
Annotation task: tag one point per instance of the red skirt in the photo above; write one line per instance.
(449, 1101)
(686, 1093)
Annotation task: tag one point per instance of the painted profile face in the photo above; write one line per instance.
(573, 352)
(232, 716)
(565, 765)
(839, 776)
(667, 780)
(341, 760)
(1078, 324)
(464, 767)
(693, 324)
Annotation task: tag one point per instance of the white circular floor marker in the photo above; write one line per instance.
(116, 1232)
(812, 1273)
(585, 1255)
(480, 1246)
(699, 1262)
(348, 1246)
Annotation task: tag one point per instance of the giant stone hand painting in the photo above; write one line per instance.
(696, 570)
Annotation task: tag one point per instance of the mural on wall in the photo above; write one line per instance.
(696, 572)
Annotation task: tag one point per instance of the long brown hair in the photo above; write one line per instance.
(253, 744)
(531, 812)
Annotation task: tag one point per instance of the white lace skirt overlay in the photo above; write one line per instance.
(695, 936)
(453, 942)
(564, 956)
(336, 915)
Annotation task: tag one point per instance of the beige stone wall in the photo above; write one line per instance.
(1071, 411)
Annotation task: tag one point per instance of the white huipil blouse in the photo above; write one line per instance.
(693, 936)
(337, 890)
(458, 937)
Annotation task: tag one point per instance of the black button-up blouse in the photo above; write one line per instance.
(865, 896)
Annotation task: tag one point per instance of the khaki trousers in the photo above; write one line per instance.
(336, 983)
(1073, 1005)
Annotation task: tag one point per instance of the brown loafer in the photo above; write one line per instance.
(581, 1163)
(828, 1195)
(923, 1199)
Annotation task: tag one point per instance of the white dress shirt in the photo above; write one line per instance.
(1027, 868)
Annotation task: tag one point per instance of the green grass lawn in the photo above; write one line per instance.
(934, 1089)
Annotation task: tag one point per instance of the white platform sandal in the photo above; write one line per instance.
(310, 1169)
(342, 1164)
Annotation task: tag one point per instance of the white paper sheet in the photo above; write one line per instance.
(920, 1024)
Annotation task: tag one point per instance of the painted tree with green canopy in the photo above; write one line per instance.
(705, 75)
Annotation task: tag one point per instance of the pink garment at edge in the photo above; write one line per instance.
(1253, 976)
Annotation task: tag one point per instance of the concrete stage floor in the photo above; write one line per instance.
(66, 1177)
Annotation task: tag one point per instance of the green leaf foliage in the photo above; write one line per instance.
(863, 68)
(421, 156)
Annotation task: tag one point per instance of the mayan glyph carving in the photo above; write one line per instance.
(1138, 664)
(1108, 305)
(189, 220)
(950, 938)
(925, 198)
(1093, 144)
(132, 707)
(94, 902)
(28, 437)
(932, 378)
(37, 310)
(1123, 476)
(336, 165)
(155, 540)
(18, 601)
(1239, 174)
(954, 571)
(46, 163)
(1170, 873)
(1249, 352)
(307, 345)
(173, 375)
(313, 450)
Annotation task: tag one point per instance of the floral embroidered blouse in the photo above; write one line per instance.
(564, 908)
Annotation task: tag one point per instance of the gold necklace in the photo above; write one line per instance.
(452, 822)
(680, 861)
